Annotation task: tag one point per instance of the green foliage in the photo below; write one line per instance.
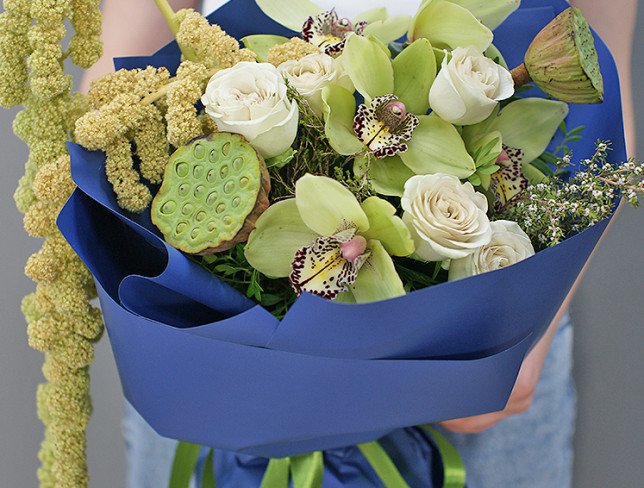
(233, 268)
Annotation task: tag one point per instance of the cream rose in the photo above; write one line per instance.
(447, 218)
(468, 87)
(508, 246)
(250, 99)
(311, 74)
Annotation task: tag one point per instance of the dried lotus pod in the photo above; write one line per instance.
(562, 61)
(213, 192)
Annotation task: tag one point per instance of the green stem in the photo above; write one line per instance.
(168, 14)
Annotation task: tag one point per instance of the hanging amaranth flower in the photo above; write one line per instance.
(385, 125)
(329, 32)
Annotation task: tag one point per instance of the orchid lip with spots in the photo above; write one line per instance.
(328, 32)
(384, 126)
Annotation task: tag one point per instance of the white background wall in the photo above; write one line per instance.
(609, 358)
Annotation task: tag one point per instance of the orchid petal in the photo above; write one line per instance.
(278, 234)
(260, 44)
(377, 279)
(368, 66)
(326, 205)
(387, 176)
(387, 227)
(448, 25)
(291, 14)
(491, 13)
(437, 147)
(390, 29)
(339, 110)
(414, 73)
(529, 124)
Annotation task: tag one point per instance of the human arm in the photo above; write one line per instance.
(131, 29)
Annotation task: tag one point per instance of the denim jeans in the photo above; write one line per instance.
(532, 450)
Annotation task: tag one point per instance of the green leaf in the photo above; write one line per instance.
(475, 179)
(278, 234)
(183, 466)
(414, 73)
(208, 480)
(377, 279)
(260, 44)
(281, 160)
(368, 67)
(448, 25)
(339, 111)
(491, 12)
(493, 52)
(378, 14)
(387, 227)
(291, 14)
(437, 147)
(307, 470)
(488, 170)
(529, 124)
(390, 29)
(387, 175)
(325, 205)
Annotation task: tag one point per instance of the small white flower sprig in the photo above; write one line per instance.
(554, 209)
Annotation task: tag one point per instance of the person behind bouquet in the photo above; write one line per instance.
(529, 443)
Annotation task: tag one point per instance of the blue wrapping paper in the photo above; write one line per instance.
(204, 364)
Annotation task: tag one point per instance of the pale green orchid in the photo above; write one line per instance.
(331, 245)
(449, 24)
(326, 29)
(510, 140)
(421, 145)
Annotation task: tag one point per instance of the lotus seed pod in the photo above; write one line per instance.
(563, 62)
(213, 191)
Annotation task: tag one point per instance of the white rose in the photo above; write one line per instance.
(468, 87)
(250, 99)
(447, 218)
(508, 246)
(311, 74)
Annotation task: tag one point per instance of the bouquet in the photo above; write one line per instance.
(344, 228)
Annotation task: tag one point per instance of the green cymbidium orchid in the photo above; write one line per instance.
(511, 139)
(429, 145)
(329, 244)
(449, 24)
(375, 22)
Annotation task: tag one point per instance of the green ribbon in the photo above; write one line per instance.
(453, 466)
(183, 466)
(305, 470)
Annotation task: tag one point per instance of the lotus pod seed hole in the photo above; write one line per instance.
(227, 221)
(229, 187)
(238, 164)
(199, 190)
(183, 189)
(187, 209)
(212, 198)
(199, 151)
(223, 172)
(210, 177)
(168, 207)
(225, 149)
(181, 227)
(221, 208)
(200, 217)
(197, 172)
(194, 234)
(182, 170)
(212, 226)
(243, 182)
(213, 156)
(236, 202)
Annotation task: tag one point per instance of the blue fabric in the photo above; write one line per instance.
(532, 450)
